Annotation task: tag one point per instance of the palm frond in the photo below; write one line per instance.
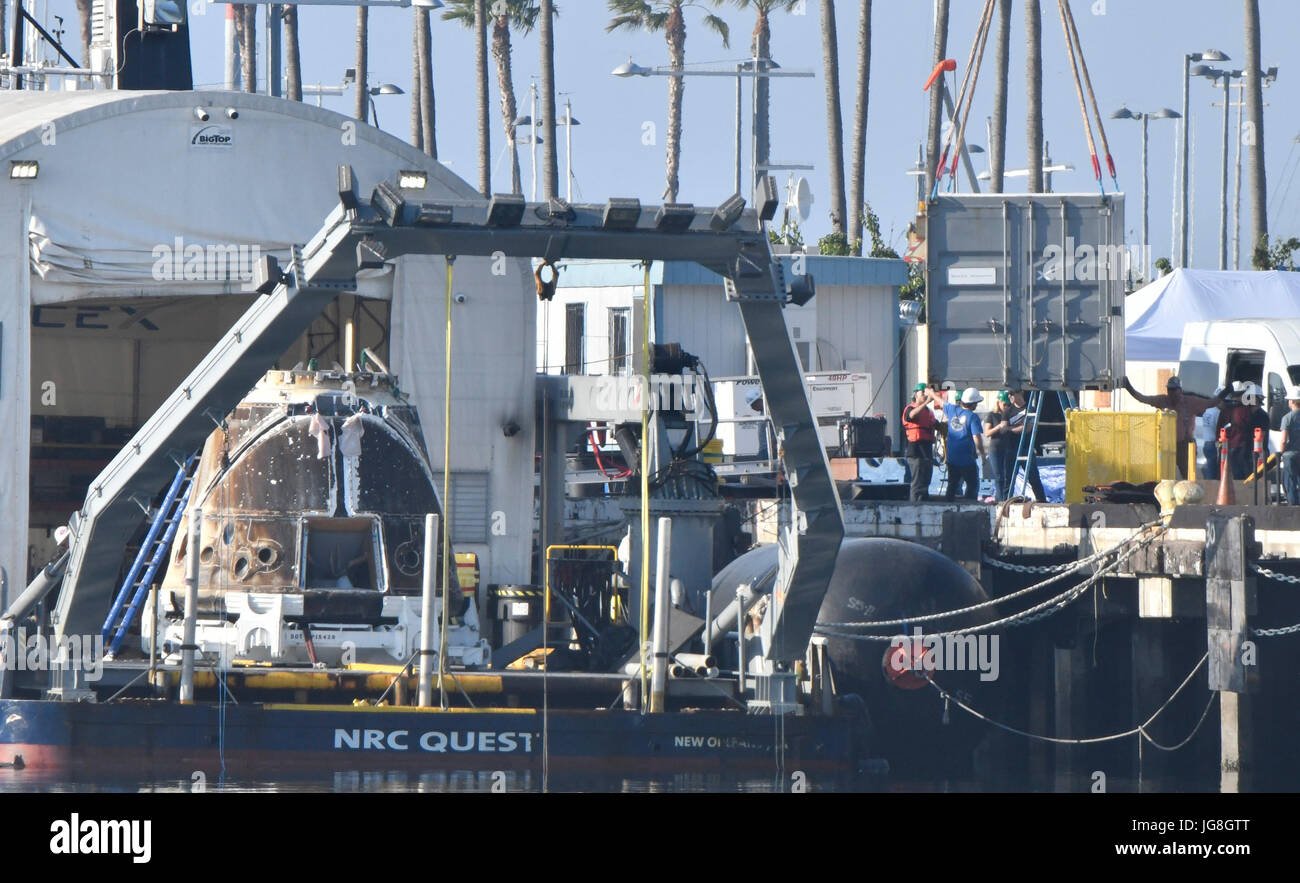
(719, 27)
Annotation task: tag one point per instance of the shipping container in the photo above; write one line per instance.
(1026, 291)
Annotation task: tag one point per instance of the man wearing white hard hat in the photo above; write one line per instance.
(1291, 447)
(964, 441)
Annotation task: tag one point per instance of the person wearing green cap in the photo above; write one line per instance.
(918, 425)
(1001, 442)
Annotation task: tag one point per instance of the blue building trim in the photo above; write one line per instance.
(827, 270)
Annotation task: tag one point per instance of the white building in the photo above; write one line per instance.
(129, 221)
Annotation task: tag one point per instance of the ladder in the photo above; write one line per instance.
(1027, 451)
(152, 554)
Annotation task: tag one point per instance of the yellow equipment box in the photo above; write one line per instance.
(1103, 447)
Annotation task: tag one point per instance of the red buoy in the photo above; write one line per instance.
(905, 664)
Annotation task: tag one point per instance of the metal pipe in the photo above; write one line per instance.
(730, 615)
(191, 605)
(696, 660)
(739, 68)
(1223, 186)
(660, 665)
(1182, 242)
(426, 610)
(708, 618)
(1146, 244)
(46, 580)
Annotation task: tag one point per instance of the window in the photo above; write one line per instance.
(619, 340)
(574, 325)
(1277, 406)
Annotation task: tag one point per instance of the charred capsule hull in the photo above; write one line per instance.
(313, 494)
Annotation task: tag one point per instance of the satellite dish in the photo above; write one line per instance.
(802, 199)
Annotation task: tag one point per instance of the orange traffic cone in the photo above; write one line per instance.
(1227, 493)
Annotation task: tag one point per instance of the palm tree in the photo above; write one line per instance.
(834, 122)
(857, 177)
(521, 15)
(292, 56)
(84, 11)
(481, 74)
(667, 16)
(417, 125)
(1255, 113)
(424, 64)
(762, 50)
(1034, 95)
(546, 48)
(361, 107)
(998, 145)
(936, 96)
(246, 25)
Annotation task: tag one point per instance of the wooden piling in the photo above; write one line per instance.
(1227, 544)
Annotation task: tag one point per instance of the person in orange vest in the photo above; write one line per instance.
(918, 425)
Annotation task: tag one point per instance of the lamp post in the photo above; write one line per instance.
(381, 89)
(1210, 55)
(750, 68)
(1163, 113)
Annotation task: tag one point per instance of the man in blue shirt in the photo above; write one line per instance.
(965, 440)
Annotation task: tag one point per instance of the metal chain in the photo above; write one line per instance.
(1273, 574)
(1068, 565)
(1273, 633)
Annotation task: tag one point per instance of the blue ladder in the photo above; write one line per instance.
(153, 551)
(1027, 452)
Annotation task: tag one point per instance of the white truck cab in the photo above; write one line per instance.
(1262, 351)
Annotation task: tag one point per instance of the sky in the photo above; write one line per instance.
(1133, 48)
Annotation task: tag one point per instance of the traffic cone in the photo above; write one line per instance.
(1227, 493)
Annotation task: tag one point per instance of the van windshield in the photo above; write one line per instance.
(1294, 371)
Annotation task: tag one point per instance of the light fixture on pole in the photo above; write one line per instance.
(1214, 74)
(381, 89)
(1209, 55)
(1163, 113)
(739, 72)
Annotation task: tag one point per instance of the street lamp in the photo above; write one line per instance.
(381, 89)
(1212, 73)
(1163, 113)
(750, 68)
(1209, 55)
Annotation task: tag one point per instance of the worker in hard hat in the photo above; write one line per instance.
(1291, 447)
(1239, 420)
(1002, 442)
(965, 441)
(919, 427)
(1186, 407)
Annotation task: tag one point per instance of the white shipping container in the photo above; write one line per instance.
(834, 395)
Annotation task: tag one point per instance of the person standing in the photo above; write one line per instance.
(918, 425)
(1210, 442)
(1291, 447)
(1186, 407)
(965, 440)
(1001, 443)
(1238, 419)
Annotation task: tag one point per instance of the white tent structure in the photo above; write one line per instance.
(129, 222)
(1154, 315)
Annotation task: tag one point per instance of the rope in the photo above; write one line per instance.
(1072, 568)
(1058, 740)
(446, 493)
(1087, 82)
(982, 38)
(986, 17)
(647, 357)
(1078, 90)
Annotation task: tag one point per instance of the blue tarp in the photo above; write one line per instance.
(1154, 315)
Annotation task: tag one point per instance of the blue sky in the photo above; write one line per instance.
(1134, 50)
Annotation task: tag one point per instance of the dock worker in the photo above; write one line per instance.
(965, 440)
(1001, 443)
(1239, 418)
(1186, 407)
(918, 425)
(1291, 447)
(1021, 422)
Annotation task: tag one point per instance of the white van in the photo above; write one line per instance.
(1262, 351)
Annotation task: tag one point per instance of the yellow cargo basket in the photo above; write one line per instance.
(1103, 447)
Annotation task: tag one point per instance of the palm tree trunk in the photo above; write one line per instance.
(292, 55)
(762, 49)
(484, 127)
(361, 105)
(248, 48)
(1034, 95)
(675, 33)
(84, 10)
(505, 85)
(546, 45)
(857, 181)
(834, 122)
(417, 125)
(424, 48)
(936, 95)
(998, 145)
(1255, 114)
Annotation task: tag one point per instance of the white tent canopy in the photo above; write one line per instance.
(1156, 313)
